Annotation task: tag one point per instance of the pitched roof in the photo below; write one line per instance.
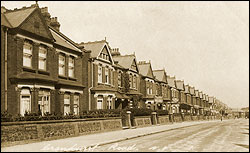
(4, 21)
(144, 69)
(160, 75)
(62, 40)
(18, 16)
(95, 47)
(124, 60)
(179, 84)
(211, 99)
(200, 94)
(192, 91)
(186, 89)
(196, 93)
(171, 81)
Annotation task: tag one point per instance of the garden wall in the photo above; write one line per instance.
(24, 132)
(142, 121)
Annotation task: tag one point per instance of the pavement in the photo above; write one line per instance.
(92, 141)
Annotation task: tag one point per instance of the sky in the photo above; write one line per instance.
(204, 43)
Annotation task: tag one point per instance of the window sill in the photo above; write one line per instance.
(62, 77)
(43, 72)
(29, 69)
(73, 79)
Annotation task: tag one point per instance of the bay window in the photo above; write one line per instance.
(25, 101)
(66, 104)
(100, 73)
(76, 104)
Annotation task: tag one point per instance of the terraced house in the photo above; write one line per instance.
(101, 88)
(174, 106)
(181, 95)
(147, 85)
(188, 99)
(40, 64)
(127, 80)
(162, 90)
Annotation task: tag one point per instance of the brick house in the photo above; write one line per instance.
(41, 65)
(182, 98)
(174, 95)
(197, 104)
(188, 98)
(192, 92)
(147, 85)
(127, 80)
(162, 90)
(201, 109)
(101, 87)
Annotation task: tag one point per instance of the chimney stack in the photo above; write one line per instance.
(115, 52)
(54, 23)
(46, 14)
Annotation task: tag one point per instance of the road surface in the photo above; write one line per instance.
(225, 136)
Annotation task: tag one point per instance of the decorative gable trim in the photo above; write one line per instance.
(109, 53)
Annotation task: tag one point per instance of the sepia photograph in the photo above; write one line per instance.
(124, 76)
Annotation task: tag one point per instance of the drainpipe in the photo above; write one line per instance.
(5, 70)
(92, 80)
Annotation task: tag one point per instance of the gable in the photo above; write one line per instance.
(104, 54)
(134, 66)
(150, 72)
(36, 24)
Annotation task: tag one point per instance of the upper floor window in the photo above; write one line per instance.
(111, 77)
(42, 58)
(130, 80)
(61, 64)
(119, 79)
(71, 66)
(134, 82)
(106, 75)
(100, 73)
(27, 54)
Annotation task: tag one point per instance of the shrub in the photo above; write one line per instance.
(99, 113)
(162, 112)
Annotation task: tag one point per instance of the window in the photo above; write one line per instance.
(99, 102)
(111, 77)
(134, 82)
(42, 58)
(148, 90)
(151, 90)
(130, 80)
(25, 101)
(27, 54)
(44, 102)
(100, 73)
(66, 104)
(107, 75)
(61, 64)
(109, 103)
(119, 79)
(71, 66)
(76, 104)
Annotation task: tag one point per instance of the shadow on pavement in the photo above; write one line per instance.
(242, 145)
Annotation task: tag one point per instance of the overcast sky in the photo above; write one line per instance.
(206, 44)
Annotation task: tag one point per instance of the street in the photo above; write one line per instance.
(225, 136)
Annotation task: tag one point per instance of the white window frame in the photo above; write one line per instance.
(109, 102)
(99, 102)
(134, 81)
(106, 75)
(130, 80)
(42, 57)
(45, 97)
(27, 54)
(119, 79)
(71, 67)
(66, 104)
(99, 73)
(25, 92)
(76, 104)
(62, 64)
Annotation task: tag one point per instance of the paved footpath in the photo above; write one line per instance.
(91, 141)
